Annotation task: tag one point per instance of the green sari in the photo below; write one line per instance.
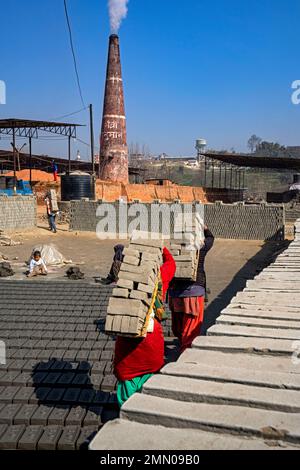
(126, 389)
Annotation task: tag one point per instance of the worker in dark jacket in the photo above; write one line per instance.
(209, 240)
(187, 300)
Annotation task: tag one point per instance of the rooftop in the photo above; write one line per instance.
(29, 128)
(251, 161)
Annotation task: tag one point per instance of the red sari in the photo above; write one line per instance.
(138, 357)
(187, 319)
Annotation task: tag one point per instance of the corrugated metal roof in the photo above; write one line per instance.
(31, 124)
(250, 161)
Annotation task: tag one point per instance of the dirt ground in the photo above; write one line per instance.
(229, 264)
(93, 256)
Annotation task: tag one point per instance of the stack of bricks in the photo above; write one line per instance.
(188, 234)
(53, 200)
(186, 259)
(17, 212)
(83, 216)
(131, 299)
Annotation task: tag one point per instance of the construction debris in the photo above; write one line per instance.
(3, 257)
(6, 270)
(5, 240)
(74, 274)
(63, 218)
(129, 307)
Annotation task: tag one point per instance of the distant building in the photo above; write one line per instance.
(193, 163)
(162, 157)
(137, 156)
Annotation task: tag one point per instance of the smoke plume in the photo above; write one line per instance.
(117, 12)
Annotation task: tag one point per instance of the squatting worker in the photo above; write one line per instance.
(137, 359)
(186, 299)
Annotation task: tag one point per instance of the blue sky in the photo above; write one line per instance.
(215, 69)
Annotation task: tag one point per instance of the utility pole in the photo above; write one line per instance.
(16, 152)
(15, 162)
(19, 153)
(69, 152)
(92, 138)
(30, 159)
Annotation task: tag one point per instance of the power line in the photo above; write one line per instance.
(71, 114)
(85, 143)
(73, 51)
(82, 141)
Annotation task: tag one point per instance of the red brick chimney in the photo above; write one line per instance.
(113, 141)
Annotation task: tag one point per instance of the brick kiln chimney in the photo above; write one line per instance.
(113, 141)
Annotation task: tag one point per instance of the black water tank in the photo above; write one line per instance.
(76, 187)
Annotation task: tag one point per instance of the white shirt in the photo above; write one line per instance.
(34, 264)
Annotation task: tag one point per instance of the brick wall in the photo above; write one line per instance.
(83, 216)
(111, 192)
(293, 214)
(246, 222)
(17, 212)
(228, 221)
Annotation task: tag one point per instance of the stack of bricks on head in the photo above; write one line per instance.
(184, 248)
(53, 201)
(186, 259)
(132, 298)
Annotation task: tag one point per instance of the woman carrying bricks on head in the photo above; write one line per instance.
(187, 300)
(136, 360)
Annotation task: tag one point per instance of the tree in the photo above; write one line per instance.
(254, 142)
(271, 149)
